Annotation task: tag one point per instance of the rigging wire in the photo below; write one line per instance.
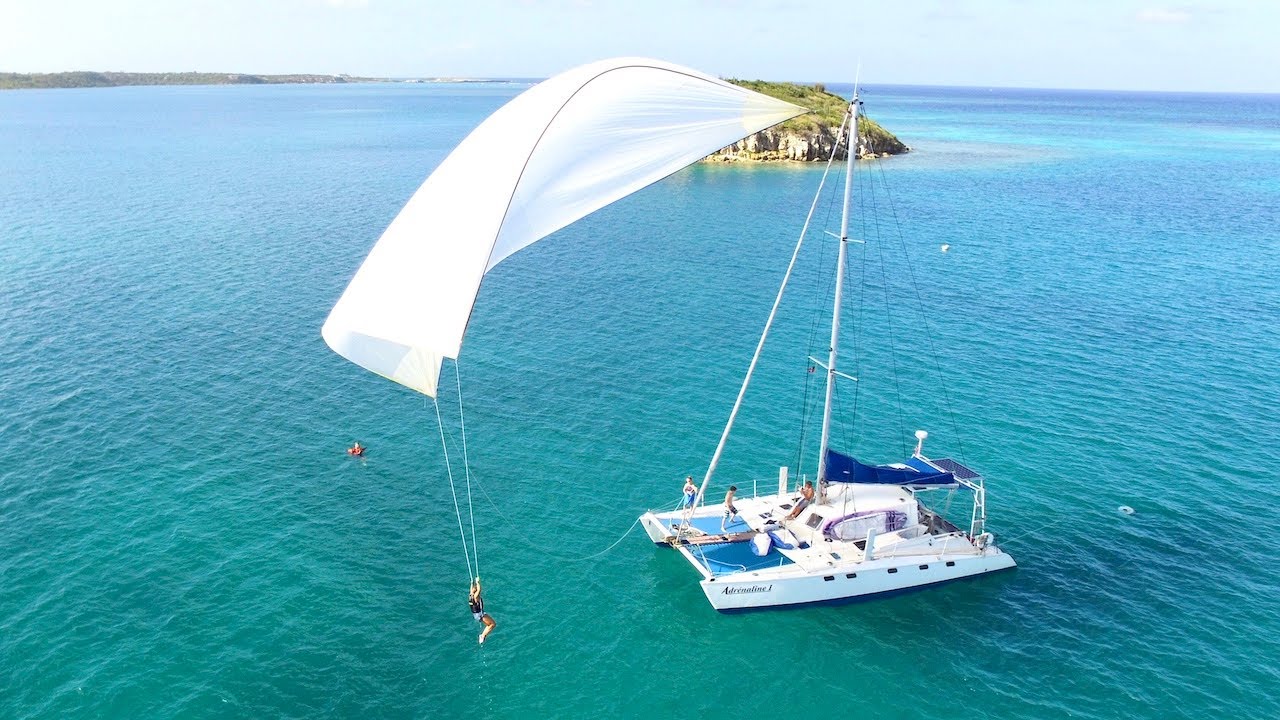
(764, 334)
(449, 470)
(861, 323)
(466, 465)
(826, 278)
(924, 318)
(850, 426)
(888, 312)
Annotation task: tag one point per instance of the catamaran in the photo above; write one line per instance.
(861, 530)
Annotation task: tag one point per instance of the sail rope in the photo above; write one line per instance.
(542, 551)
(457, 511)
(466, 466)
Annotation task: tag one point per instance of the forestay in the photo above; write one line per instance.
(556, 153)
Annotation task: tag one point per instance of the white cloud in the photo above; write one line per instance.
(1164, 16)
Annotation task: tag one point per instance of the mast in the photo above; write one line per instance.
(764, 334)
(851, 151)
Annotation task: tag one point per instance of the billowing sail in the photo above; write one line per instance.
(556, 153)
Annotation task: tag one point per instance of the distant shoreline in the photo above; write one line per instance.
(85, 78)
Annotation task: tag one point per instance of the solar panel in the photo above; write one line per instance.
(951, 466)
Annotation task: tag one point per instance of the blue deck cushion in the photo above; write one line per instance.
(846, 469)
(727, 558)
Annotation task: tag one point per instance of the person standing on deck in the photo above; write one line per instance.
(690, 495)
(730, 512)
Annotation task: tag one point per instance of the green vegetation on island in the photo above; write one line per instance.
(85, 78)
(808, 137)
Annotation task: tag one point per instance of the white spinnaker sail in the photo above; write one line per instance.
(556, 153)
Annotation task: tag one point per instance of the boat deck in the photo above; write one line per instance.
(719, 553)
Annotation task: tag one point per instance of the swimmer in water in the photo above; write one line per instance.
(356, 450)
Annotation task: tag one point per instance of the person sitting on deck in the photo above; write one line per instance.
(477, 610)
(730, 512)
(356, 450)
(806, 497)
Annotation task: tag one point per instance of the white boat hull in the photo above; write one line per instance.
(745, 591)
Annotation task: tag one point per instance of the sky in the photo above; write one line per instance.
(1221, 46)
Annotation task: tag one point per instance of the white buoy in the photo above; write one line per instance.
(1125, 510)
(945, 247)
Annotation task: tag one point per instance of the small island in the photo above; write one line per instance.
(810, 137)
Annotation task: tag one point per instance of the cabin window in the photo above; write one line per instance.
(951, 563)
(850, 576)
(924, 567)
(893, 570)
(829, 578)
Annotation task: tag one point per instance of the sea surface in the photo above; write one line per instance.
(182, 535)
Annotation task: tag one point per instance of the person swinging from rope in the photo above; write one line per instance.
(477, 610)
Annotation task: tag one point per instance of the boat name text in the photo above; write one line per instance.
(747, 589)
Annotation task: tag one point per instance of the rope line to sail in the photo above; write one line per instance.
(554, 555)
(924, 318)
(466, 466)
(452, 490)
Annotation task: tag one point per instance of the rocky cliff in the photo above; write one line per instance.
(809, 137)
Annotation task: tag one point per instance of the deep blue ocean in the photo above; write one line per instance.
(182, 535)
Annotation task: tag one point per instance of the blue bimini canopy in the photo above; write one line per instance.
(914, 472)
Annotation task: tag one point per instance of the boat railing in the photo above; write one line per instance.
(958, 537)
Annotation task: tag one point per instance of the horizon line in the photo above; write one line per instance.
(503, 78)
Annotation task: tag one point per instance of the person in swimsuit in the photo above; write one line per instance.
(730, 512)
(690, 495)
(806, 497)
(356, 450)
(477, 610)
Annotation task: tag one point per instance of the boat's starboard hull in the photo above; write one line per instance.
(749, 591)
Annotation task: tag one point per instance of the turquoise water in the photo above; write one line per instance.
(181, 534)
